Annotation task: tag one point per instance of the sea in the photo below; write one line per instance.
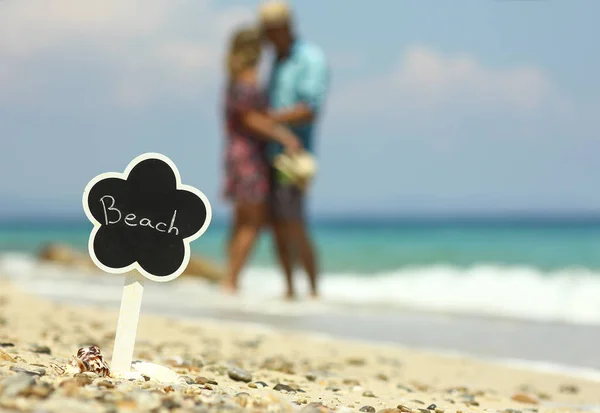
(519, 290)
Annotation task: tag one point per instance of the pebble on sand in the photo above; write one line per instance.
(16, 385)
(524, 398)
(36, 348)
(239, 374)
(284, 388)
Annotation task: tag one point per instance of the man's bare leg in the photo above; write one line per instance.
(298, 235)
(285, 256)
(291, 236)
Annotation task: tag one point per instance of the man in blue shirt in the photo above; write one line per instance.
(298, 86)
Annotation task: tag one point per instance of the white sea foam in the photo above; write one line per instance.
(569, 295)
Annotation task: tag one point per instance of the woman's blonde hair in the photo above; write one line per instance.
(244, 51)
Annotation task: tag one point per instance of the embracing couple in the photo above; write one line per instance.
(261, 125)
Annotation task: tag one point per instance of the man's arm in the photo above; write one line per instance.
(312, 90)
(296, 115)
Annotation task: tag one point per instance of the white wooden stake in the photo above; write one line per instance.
(127, 325)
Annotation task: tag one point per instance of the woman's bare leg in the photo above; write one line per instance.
(249, 218)
(232, 232)
(226, 283)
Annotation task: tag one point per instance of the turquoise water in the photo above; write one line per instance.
(444, 284)
(364, 247)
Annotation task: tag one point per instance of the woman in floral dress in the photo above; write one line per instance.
(248, 128)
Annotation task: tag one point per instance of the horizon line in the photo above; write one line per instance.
(330, 217)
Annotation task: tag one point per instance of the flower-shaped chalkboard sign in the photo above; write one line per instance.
(144, 219)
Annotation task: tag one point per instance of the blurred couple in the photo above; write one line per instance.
(265, 126)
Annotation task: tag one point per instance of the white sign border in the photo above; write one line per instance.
(186, 241)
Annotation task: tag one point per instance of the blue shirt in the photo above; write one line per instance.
(302, 77)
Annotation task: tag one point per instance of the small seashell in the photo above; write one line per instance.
(156, 372)
(90, 359)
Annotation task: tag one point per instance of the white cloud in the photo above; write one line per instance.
(29, 27)
(155, 48)
(146, 50)
(424, 79)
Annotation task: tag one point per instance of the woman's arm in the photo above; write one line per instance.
(266, 128)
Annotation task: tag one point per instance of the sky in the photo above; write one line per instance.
(435, 107)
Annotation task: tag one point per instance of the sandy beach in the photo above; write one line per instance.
(236, 367)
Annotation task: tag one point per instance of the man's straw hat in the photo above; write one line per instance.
(274, 13)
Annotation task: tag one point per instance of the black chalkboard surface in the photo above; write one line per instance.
(144, 218)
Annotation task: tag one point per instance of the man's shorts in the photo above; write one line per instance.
(286, 201)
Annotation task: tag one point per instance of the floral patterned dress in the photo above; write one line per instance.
(246, 164)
